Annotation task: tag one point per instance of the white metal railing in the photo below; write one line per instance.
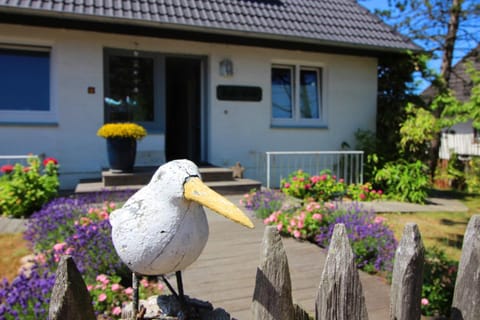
(347, 165)
(12, 159)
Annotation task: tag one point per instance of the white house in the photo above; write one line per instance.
(215, 81)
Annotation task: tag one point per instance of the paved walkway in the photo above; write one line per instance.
(225, 272)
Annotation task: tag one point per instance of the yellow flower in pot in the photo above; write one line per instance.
(122, 144)
(122, 130)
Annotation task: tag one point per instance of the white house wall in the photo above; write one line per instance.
(237, 131)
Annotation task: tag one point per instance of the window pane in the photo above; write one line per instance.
(24, 80)
(130, 89)
(282, 92)
(309, 94)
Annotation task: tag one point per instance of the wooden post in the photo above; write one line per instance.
(407, 279)
(272, 297)
(70, 298)
(466, 298)
(340, 295)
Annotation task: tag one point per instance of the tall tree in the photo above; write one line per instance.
(447, 29)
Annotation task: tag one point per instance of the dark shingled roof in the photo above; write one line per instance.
(327, 22)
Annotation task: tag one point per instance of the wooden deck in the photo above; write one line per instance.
(225, 272)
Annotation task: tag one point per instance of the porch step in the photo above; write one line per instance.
(142, 175)
(219, 179)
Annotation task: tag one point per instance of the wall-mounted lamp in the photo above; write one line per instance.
(226, 68)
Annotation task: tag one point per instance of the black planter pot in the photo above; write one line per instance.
(121, 154)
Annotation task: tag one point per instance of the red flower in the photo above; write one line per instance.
(7, 168)
(48, 160)
(26, 169)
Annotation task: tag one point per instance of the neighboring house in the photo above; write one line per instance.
(215, 81)
(461, 139)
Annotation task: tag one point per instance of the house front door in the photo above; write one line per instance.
(183, 108)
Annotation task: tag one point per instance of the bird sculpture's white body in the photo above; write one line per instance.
(158, 231)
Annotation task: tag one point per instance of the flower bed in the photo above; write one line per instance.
(77, 226)
(24, 189)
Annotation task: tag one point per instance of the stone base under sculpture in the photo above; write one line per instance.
(168, 307)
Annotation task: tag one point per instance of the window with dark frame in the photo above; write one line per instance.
(24, 79)
(296, 95)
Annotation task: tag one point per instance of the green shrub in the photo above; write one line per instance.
(473, 175)
(404, 181)
(438, 283)
(363, 192)
(23, 190)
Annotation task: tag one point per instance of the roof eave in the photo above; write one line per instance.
(211, 30)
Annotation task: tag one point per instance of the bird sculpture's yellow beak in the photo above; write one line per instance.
(196, 190)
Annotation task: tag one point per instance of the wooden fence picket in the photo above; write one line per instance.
(70, 298)
(407, 278)
(272, 297)
(466, 298)
(340, 294)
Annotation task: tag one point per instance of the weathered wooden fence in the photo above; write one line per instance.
(340, 293)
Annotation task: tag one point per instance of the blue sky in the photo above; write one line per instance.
(434, 64)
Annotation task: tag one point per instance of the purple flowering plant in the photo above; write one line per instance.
(373, 242)
(77, 226)
(263, 202)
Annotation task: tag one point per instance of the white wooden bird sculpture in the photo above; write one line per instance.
(163, 228)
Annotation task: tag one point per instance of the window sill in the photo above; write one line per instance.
(28, 123)
(298, 126)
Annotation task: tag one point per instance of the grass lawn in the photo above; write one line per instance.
(444, 230)
(13, 247)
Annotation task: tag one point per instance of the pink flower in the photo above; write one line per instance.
(103, 215)
(341, 180)
(379, 219)
(160, 286)
(117, 311)
(115, 287)
(128, 291)
(296, 234)
(112, 205)
(40, 258)
(323, 177)
(380, 192)
(89, 287)
(425, 302)
(59, 246)
(144, 283)
(317, 216)
(300, 224)
(102, 297)
(102, 278)
(287, 185)
(362, 196)
(279, 227)
(69, 250)
(308, 186)
(293, 223)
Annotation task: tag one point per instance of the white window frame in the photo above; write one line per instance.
(297, 120)
(47, 117)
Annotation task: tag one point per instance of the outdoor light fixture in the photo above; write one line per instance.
(226, 68)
